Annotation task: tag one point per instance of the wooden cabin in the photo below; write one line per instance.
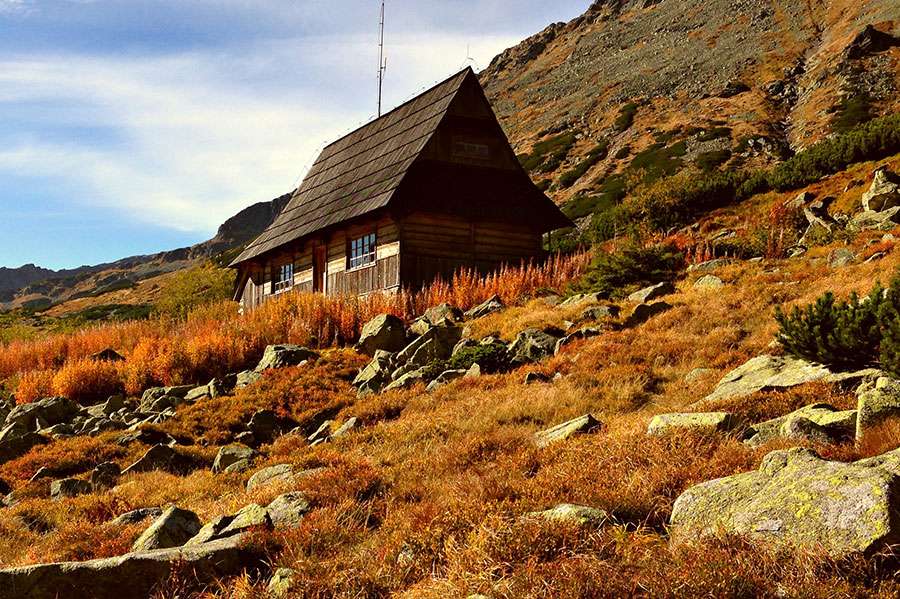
(427, 189)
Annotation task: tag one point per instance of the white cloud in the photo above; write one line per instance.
(200, 135)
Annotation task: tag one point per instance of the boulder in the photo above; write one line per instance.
(350, 424)
(198, 393)
(535, 378)
(578, 335)
(489, 306)
(249, 516)
(173, 528)
(16, 440)
(135, 516)
(385, 332)
(146, 436)
(644, 312)
(280, 472)
(578, 426)
(286, 511)
(281, 356)
(130, 576)
(599, 313)
(799, 499)
(375, 375)
(531, 345)
(841, 257)
(708, 282)
(408, 380)
(43, 413)
(156, 392)
(698, 422)
(444, 311)
(652, 292)
(159, 457)
(211, 531)
(709, 265)
(246, 378)
(579, 515)
(766, 373)
(230, 454)
(446, 377)
(239, 466)
(107, 408)
(884, 193)
(818, 422)
(871, 220)
(105, 475)
(876, 405)
(263, 424)
(69, 487)
(436, 344)
(581, 299)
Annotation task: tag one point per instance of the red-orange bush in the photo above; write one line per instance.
(88, 381)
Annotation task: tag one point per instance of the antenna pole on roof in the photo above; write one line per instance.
(382, 62)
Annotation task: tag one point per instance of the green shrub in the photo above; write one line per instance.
(596, 154)
(659, 160)
(491, 358)
(626, 117)
(710, 161)
(846, 335)
(195, 287)
(547, 155)
(850, 112)
(624, 152)
(612, 274)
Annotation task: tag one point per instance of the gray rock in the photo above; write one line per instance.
(581, 299)
(436, 314)
(436, 344)
(489, 306)
(130, 576)
(107, 355)
(16, 441)
(135, 516)
(211, 531)
(586, 333)
(766, 373)
(709, 265)
(697, 422)
(579, 515)
(350, 424)
(375, 375)
(799, 499)
(446, 377)
(841, 257)
(708, 282)
(69, 487)
(159, 457)
(644, 312)
(884, 193)
(43, 413)
(173, 528)
(536, 377)
(652, 292)
(107, 408)
(156, 392)
(250, 516)
(246, 378)
(581, 425)
(263, 424)
(879, 221)
(385, 332)
(271, 474)
(286, 511)
(198, 393)
(877, 405)
(531, 345)
(238, 467)
(408, 380)
(599, 313)
(230, 454)
(817, 422)
(105, 475)
(281, 356)
(474, 371)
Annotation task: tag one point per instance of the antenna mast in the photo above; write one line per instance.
(382, 62)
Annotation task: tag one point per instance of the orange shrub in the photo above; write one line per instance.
(88, 381)
(33, 385)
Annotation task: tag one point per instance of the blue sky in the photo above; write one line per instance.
(134, 126)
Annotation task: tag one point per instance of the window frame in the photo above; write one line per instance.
(357, 256)
(282, 277)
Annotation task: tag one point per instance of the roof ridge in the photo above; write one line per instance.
(398, 107)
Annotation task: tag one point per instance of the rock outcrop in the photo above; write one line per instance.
(577, 426)
(799, 499)
(697, 422)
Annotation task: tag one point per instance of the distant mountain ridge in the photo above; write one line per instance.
(33, 285)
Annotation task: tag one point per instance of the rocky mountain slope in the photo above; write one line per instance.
(32, 286)
(648, 87)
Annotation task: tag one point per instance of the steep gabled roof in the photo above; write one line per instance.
(360, 172)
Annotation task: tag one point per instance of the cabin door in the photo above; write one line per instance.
(319, 271)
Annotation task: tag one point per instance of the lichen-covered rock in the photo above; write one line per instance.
(652, 292)
(644, 312)
(173, 528)
(249, 516)
(489, 306)
(872, 220)
(246, 378)
(818, 422)
(436, 343)
(375, 375)
(43, 413)
(567, 513)
(709, 282)
(446, 377)
(282, 582)
(408, 380)
(281, 356)
(69, 487)
(130, 576)
(286, 511)
(577, 426)
(581, 299)
(766, 373)
(159, 457)
(231, 454)
(579, 335)
(280, 472)
(385, 332)
(531, 345)
(884, 193)
(799, 499)
(877, 405)
(444, 311)
(105, 475)
(698, 422)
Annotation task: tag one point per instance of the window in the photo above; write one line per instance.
(284, 277)
(362, 251)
